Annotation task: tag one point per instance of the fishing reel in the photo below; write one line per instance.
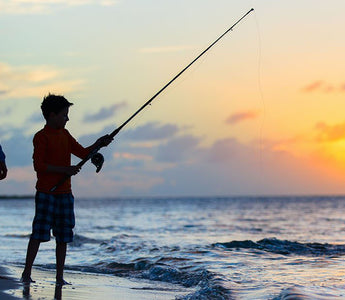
(97, 159)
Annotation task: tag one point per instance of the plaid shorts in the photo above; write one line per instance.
(53, 212)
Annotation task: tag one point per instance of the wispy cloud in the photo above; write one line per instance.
(132, 156)
(322, 86)
(104, 113)
(33, 81)
(242, 116)
(313, 86)
(166, 49)
(46, 6)
(22, 174)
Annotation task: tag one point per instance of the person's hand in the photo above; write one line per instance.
(3, 170)
(104, 140)
(72, 170)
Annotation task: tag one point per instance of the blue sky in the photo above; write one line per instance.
(246, 119)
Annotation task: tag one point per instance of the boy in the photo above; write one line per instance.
(53, 146)
(3, 168)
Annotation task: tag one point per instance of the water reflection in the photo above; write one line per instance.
(27, 295)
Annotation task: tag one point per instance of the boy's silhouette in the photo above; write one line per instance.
(53, 146)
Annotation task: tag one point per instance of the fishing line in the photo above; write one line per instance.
(261, 93)
(182, 79)
(179, 81)
(98, 161)
(190, 73)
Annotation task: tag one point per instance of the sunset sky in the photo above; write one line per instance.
(262, 113)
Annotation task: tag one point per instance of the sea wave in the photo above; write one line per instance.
(206, 285)
(303, 293)
(79, 240)
(285, 247)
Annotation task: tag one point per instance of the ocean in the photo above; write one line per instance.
(220, 247)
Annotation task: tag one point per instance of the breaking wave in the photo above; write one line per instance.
(205, 284)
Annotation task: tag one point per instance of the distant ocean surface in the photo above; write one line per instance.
(221, 247)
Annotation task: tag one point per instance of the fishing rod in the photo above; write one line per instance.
(97, 158)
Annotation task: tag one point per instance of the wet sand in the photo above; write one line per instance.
(84, 286)
(7, 282)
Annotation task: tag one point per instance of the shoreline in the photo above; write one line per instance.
(84, 286)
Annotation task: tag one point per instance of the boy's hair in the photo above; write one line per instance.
(54, 103)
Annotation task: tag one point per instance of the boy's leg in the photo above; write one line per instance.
(61, 249)
(31, 253)
(40, 231)
(62, 230)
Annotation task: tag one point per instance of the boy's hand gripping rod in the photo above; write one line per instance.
(95, 157)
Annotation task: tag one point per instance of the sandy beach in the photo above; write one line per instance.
(84, 286)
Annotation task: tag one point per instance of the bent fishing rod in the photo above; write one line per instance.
(97, 158)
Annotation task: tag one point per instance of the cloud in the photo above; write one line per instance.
(151, 131)
(177, 164)
(36, 117)
(114, 183)
(20, 7)
(22, 174)
(242, 116)
(323, 87)
(225, 150)
(19, 181)
(229, 167)
(104, 113)
(330, 133)
(178, 149)
(132, 156)
(33, 81)
(131, 160)
(17, 147)
(7, 111)
(155, 50)
(313, 86)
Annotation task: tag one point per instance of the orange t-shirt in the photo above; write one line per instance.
(54, 147)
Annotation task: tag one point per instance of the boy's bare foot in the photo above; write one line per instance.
(26, 279)
(61, 282)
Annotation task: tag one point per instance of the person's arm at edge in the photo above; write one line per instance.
(3, 167)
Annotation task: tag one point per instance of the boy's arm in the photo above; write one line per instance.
(103, 141)
(3, 168)
(82, 152)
